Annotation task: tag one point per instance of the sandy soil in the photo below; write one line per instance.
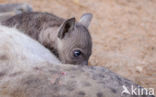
(123, 32)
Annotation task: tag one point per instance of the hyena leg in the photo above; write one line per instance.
(9, 10)
(17, 8)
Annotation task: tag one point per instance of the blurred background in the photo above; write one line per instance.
(123, 33)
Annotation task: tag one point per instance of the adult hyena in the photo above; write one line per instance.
(27, 69)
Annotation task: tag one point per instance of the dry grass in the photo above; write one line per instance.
(123, 32)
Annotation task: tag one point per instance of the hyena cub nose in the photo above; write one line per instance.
(74, 40)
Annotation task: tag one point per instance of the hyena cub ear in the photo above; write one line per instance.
(86, 19)
(66, 27)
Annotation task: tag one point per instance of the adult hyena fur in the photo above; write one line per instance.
(30, 70)
(69, 40)
(9, 10)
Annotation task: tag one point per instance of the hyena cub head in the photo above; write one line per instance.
(74, 40)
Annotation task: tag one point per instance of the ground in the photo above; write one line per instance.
(123, 33)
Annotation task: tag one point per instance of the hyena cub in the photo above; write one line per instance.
(69, 40)
(9, 10)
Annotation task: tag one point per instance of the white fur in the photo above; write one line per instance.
(20, 49)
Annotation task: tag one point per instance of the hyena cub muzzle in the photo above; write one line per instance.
(68, 39)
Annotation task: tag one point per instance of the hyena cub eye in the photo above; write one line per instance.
(76, 53)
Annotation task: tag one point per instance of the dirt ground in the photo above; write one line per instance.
(123, 33)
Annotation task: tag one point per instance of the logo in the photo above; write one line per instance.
(137, 91)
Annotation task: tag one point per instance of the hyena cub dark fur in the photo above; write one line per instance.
(69, 40)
